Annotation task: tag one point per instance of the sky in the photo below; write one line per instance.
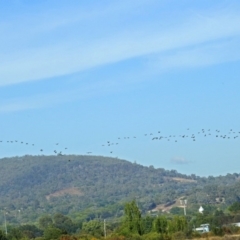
(150, 78)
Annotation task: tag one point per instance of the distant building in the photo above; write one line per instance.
(236, 224)
(204, 228)
(201, 209)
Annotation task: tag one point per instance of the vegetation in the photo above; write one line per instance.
(132, 225)
(89, 187)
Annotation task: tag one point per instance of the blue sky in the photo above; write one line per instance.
(82, 73)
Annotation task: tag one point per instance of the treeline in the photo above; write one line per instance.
(93, 186)
(26, 182)
(133, 225)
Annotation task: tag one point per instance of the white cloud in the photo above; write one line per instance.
(198, 56)
(85, 91)
(76, 54)
(179, 160)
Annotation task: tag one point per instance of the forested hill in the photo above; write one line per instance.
(35, 185)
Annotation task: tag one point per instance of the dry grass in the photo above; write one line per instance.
(183, 180)
(225, 237)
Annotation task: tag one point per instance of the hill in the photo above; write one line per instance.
(90, 186)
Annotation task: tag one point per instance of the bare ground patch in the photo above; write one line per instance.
(66, 191)
(168, 206)
(183, 180)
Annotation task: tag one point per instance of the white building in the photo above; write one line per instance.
(204, 228)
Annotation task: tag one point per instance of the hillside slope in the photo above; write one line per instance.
(34, 185)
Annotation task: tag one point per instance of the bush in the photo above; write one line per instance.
(217, 231)
(52, 233)
(153, 236)
(178, 236)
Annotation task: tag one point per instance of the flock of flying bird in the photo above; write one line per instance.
(158, 136)
(231, 134)
(57, 152)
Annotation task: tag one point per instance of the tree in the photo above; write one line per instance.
(147, 223)
(133, 220)
(45, 222)
(2, 236)
(15, 234)
(52, 233)
(64, 223)
(176, 211)
(93, 227)
(235, 207)
(178, 224)
(30, 231)
(161, 225)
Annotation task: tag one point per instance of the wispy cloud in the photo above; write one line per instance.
(81, 92)
(80, 52)
(197, 56)
(179, 160)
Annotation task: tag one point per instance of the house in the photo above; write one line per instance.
(204, 228)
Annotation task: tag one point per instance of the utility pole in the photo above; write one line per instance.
(19, 216)
(184, 207)
(184, 203)
(104, 228)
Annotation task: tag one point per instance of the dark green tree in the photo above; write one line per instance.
(161, 225)
(2, 236)
(64, 223)
(45, 222)
(52, 233)
(178, 224)
(147, 223)
(30, 231)
(15, 234)
(235, 207)
(133, 218)
(93, 227)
